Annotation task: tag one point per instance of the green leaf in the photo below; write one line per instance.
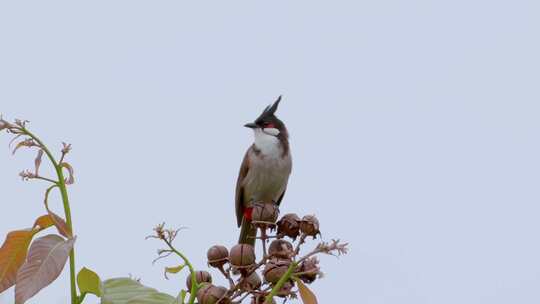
(129, 291)
(89, 282)
(305, 293)
(176, 269)
(154, 298)
(182, 296)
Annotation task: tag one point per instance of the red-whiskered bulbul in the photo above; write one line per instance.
(265, 169)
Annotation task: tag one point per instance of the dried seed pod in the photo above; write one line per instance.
(259, 299)
(252, 282)
(210, 294)
(200, 277)
(264, 214)
(242, 256)
(286, 289)
(281, 249)
(217, 256)
(289, 225)
(309, 269)
(275, 269)
(310, 225)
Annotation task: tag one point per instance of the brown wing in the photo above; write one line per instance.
(239, 197)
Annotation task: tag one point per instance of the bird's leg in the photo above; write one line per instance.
(264, 237)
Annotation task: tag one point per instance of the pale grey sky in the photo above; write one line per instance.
(414, 129)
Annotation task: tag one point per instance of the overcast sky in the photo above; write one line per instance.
(414, 131)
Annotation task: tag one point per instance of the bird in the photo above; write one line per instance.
(265, 169)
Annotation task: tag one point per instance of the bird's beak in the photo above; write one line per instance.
(251, 125)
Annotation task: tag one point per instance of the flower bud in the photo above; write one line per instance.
(310, 225)
(275, 269)
(242, 256)
(200, 277)
(217, 256)
(310, 269)
(210, 294)
(252, 282)
(264, 214)
(281, 249)
(289, 225)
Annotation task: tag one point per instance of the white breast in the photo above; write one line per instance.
(268, 144)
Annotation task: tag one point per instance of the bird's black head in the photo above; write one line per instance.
(268, 120)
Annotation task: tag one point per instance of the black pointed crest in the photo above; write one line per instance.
(270, 110)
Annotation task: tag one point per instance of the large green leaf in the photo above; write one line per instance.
(89, 282)
(129, 291)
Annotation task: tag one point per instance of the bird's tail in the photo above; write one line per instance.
(248, 232)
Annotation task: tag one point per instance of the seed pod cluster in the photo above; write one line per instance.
(217, 255)
(252, 282)
(259, 299)
(242, 256)
(309, 269)
(281, 249)
(275, 269)
(200, 277)
(309, 225)
(210, 294)
(264, 214)
(286, 289)
(289, 225)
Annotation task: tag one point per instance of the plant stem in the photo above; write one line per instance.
(194, 284)
(280, 283)
(67, 211)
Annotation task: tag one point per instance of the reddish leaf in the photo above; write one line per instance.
(46, 259)
(12, 255)
(70, 179)
(59, 222)
(305, 293)
(43, 222)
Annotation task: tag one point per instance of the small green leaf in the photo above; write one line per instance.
(176, 269)
(305, 293)
(89, 282)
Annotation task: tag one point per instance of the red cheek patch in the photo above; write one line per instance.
(247, 213)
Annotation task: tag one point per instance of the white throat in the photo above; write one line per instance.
(268, 144)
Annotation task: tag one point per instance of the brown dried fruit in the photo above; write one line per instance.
(210, 294)
(217, 255)
(285, 290)
(281, 249)
(200, 277)
(310, 225)
(264, 213)
(259, 299)
(252, 282)
(275, 269)
(289, 225)
(242, 256)
(310, 269)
